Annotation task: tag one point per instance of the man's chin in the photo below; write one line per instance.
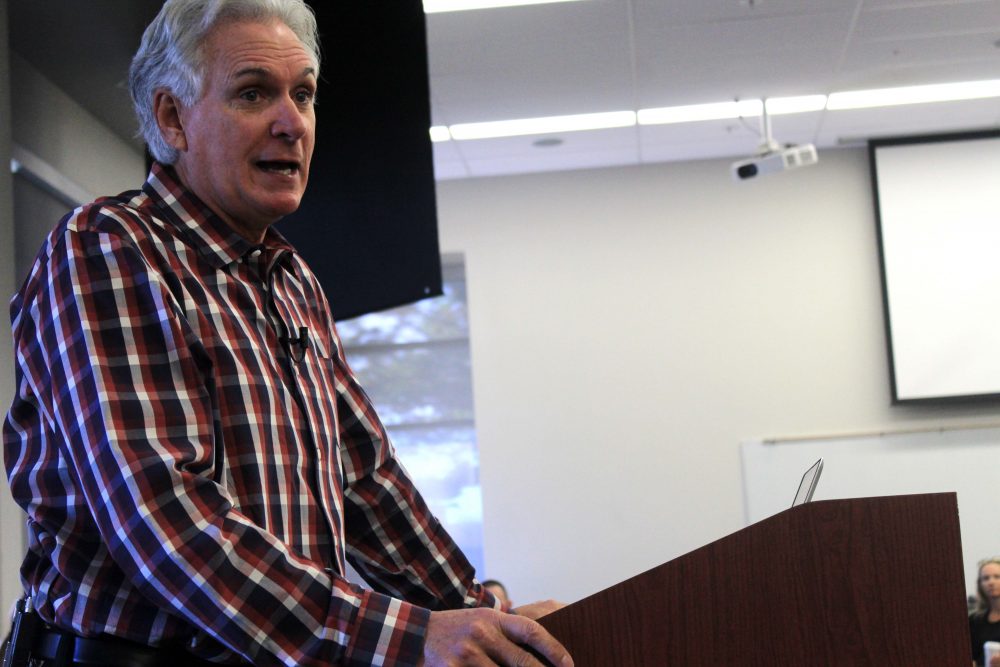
(276, 210)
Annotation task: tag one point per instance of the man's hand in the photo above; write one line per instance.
(484, 637)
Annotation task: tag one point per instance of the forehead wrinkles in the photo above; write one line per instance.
(268, 58)
(235, 49)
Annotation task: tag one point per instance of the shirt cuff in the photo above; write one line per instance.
(387, 631)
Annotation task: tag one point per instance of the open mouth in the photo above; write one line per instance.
(282, 167)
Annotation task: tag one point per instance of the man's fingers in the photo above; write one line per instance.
(483, 636)
(527, 632)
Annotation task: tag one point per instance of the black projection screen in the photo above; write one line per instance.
(368, 221)
(937, 206)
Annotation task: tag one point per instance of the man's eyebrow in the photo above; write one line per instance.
(251, 71)
(265, 73)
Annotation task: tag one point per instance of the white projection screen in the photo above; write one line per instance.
(937, 204)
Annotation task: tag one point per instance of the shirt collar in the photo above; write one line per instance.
(219, 243)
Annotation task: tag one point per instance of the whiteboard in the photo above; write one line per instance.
(965, 461)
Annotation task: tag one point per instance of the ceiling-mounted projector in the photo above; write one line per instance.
(772, 156)
(780, 159)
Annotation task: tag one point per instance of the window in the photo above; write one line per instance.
(414, 363)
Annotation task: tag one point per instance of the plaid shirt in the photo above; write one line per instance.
(187, 480)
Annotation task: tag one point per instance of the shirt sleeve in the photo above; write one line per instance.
(393, 539)
(117, 376)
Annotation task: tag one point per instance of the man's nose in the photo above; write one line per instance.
(290, 121)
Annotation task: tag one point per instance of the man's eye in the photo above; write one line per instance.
(250, 95)
(304, 96)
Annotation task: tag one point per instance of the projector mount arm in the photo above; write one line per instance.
(768, 144)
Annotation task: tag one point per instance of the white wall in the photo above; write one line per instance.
(631, 326)
(962, 461)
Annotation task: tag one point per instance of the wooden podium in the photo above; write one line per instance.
(867, 581)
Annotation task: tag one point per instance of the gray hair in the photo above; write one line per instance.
(171, 57)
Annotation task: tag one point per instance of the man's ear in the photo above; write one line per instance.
(167, 110)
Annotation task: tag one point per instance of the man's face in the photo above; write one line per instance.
(248, 141)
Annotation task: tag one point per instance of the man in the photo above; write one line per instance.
(195, 457)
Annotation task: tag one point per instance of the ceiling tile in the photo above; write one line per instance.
(686, 12)
(913, 55)
(891, 22)
(721, 60)
(525, 62)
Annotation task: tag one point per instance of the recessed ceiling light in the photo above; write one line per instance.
(547, 142)
(437, 6)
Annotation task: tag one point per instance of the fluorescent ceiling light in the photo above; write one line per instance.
(440, 133)
(887, 97)
(730, 110)
(859, 99)
(804, 103)
(435, 6)
(545, 125)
